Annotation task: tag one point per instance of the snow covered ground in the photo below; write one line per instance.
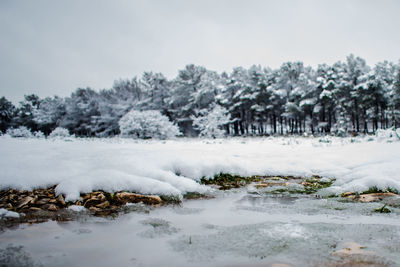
(173, 166)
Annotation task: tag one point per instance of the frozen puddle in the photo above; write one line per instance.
(233, 229)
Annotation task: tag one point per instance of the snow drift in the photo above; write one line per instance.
(172, 167)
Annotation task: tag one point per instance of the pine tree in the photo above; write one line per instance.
(24, 114)
(49, 113)
(81, 110)
(7, 111)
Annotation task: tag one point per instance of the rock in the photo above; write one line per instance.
(86, 196)
(42, 201)
(50, 207)
(352, 248)
(92, 202)
(346, 194)
(12, 197)
(125, 197)
(42, 204)
(269, 184)
(78, 203)
(94, 209)
(11, 191)
(103, 205)
(60, 200)
(23, 202)
(373, 197)
(35, 209)
(53, 201)
(113, 207)
(99, 195)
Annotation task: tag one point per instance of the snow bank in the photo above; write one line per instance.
(172, 167)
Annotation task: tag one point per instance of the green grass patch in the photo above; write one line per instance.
(375, 189)
(227, 181)
(296, 185)
(194, 195)
(383, 209)
(171, 199)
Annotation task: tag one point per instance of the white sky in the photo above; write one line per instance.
(52, 47)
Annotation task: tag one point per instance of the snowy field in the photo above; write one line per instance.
(172, 167)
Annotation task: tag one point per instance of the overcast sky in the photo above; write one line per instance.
(53, 47)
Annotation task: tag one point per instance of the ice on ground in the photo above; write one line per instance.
(173, 167)
(8, 214)
(14, 255)
(158, 227)
(77, 208)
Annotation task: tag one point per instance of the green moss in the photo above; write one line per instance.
(288, 190)
(330, 196)
(227, 181)
(315, 183)
(375, 189)
(372, 190)
(392, 190)
(109, 196)
(171, 199)
(310, 185)
(383, 209)
(194, 195)
(307, 186)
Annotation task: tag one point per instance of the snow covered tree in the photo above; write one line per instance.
(156, 92)
(21, 131)
(356, 67)
(237, 98)
(7, 110)
(113, 104)
(289, 81)
(277, 100)
(326, 91)
(372, 99)
(24, 115)
(81, 109)
(59, 133)
(212, 123)
(147, 124)
(49, 113)
(192, 91)
(259, 79)
(340, 98)
(395, 100)
(184, 86)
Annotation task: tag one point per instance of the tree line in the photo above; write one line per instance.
(342, 98)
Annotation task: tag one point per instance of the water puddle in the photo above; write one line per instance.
(235, 228)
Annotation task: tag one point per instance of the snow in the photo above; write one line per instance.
(8, 214)
(77, 208)
(172, 167)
